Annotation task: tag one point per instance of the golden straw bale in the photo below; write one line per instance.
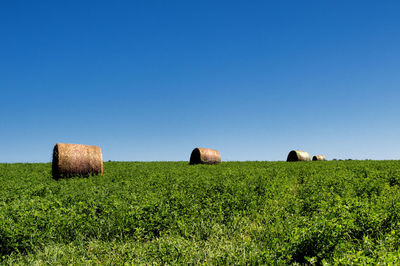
(295, 156)
(76, 160)
(319, 158)
(205, 156)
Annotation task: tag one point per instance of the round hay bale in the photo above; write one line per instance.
(319, 158)
(205, 156)
(76, 160)
(295, 156)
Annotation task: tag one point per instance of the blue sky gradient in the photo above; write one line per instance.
(151, 80)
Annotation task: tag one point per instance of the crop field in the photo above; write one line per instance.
(336, 212)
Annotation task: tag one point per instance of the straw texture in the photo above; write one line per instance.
(295, 156)
(76, 160)
(319, 158)
(205, 156)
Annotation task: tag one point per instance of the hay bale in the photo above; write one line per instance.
(319, 158)
(205, 156)
(76, 160)
(295, 156)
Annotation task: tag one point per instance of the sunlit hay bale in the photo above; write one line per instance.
(76, 160)
(205, 156)
(319, 158)
(295, 156)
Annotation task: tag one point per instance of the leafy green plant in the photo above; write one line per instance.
(235, 213)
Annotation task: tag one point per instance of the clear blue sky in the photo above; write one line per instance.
(151, 80)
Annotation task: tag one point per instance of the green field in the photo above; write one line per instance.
(232, 213)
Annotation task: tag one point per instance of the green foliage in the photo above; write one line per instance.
(339, 212)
